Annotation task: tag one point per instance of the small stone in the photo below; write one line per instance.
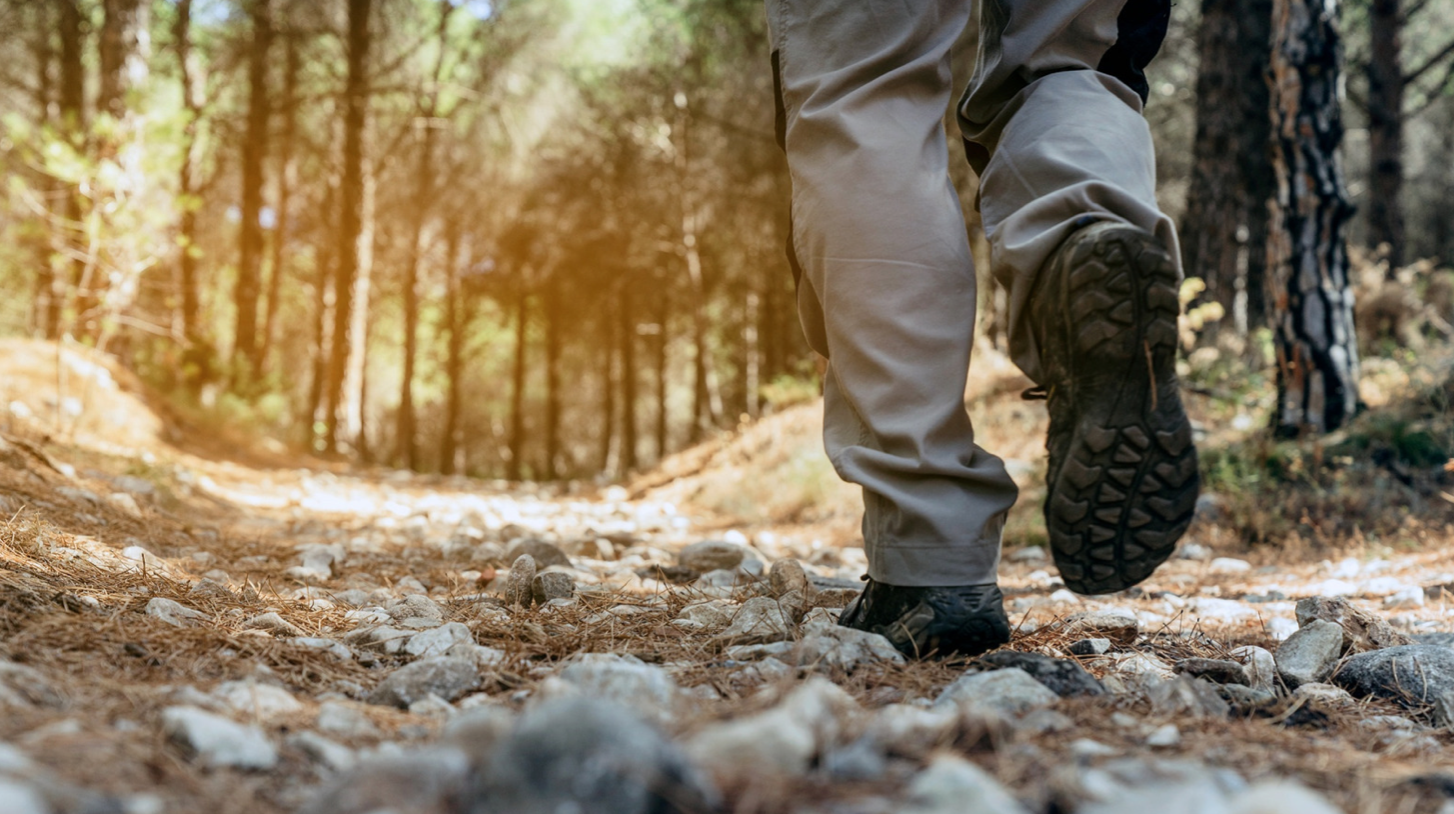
(256, 700)
(1217, 671)
(415, 606)
(1117, 624)
(712, 555)
(1309, 654)
(782, 740)
(841, 648)
(624, 680)
(1193, 551)
(1184, 697)
(1259, 663)
(345, 721)
(332, 647)
(124, 503)
(1405, 599)
(216, 741)
(445, 676)
(173, 613)
(1246, 699)
(911, 731)
(1090, 647)
(422, 781)
(1411, 675)
(585, 755)
(953, 785)
(274, 623)
(1362, 631)
(552, 585)
(788, 584)
(519, 588)
(207, 588)
(714, 613)
(431, 706)
(327, 753)
(1010, 691)
(1229, 565)
(542, 553)
(1064, 677)
(439, 640)
(1030, 553)
(17, 797)
(760, 620)
(1325, 693)
(1164, 736)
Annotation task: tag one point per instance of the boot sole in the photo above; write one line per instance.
(1127, 487)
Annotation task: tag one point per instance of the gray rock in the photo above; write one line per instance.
(1259, 663)
(1309, 654)
(216, 741)
(1064, 677)
(552, 585)
(1362, 631)
(332, 647)
(712, 555)
(18, 797)
(254, 699)
(316, 561)
(1412, 674)
(859, 760)
(715, 613)
(625, 680)
(1101, 789)
(1436, 639)
(445, 676)
(345, 721)
(172, 612)
(781, 741)
(519, 587)
(1245, 699)
(1030, 553)
(1217, 671)
(438, 641)
(587, 756)
(912, 731)
(1090, 647)
(274, 623)
(1207, 795)
(1008, 692)
(330, 754)
(760, 620)
(415, 606)
(1117, 624)
(424, 781)
(1330, 694)
(953, 785)
(545, 554)
(1187, 697)
(833, 647)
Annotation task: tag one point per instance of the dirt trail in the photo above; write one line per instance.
(142, 585)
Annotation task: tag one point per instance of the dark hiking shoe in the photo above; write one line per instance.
(966, 620)
(1123, 474)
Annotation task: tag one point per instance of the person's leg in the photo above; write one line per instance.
(1052, 122)
(887, 287)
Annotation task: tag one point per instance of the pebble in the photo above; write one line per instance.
(712, 555)
(218, 742)
(714, 613)
(587, 755)
(345, 720)
(625, 680)
(1229, 565)
(172, 612)
(911, 731)
(421, 781)
(254, 699)
(415, 606)
(330, 754)
(332, 647)
(1187, 697)
(18, 798)
(833, 647)
(438, 641)
(1009, 692)
(952, 785)
(1064, 677)
(1259, 663)
(782, 740)
(448, 677)
(1217, 671)
(1405, 599)
(551, 586)
(1309, 654)
(1031, 553)
(1325, 693)
(519, 586)
(1117, 624)
(273, 622)
(1164, 736)
(760, 620)
(1090, 647)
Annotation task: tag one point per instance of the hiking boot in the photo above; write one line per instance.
(921, 622)
(1123, 478)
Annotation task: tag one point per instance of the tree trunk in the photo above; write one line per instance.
(254, 153)
(608, 389)
(663, 312)
(73, 127)
(454, 362)
(513, 469)
(1385, 130)
(751, 356)
(627, 338)
(42, 25)
(287, 175)
(196, 354)
(407, 451)
(1317, 373)
(351, 193)
(553, 329)
(122, 47)
(1224, 229)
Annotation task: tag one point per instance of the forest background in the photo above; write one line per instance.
(544, 239)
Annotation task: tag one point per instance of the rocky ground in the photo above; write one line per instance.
(204, 636)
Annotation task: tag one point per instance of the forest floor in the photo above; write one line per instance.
(185, 629)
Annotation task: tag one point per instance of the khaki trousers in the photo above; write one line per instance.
(1052, 123)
